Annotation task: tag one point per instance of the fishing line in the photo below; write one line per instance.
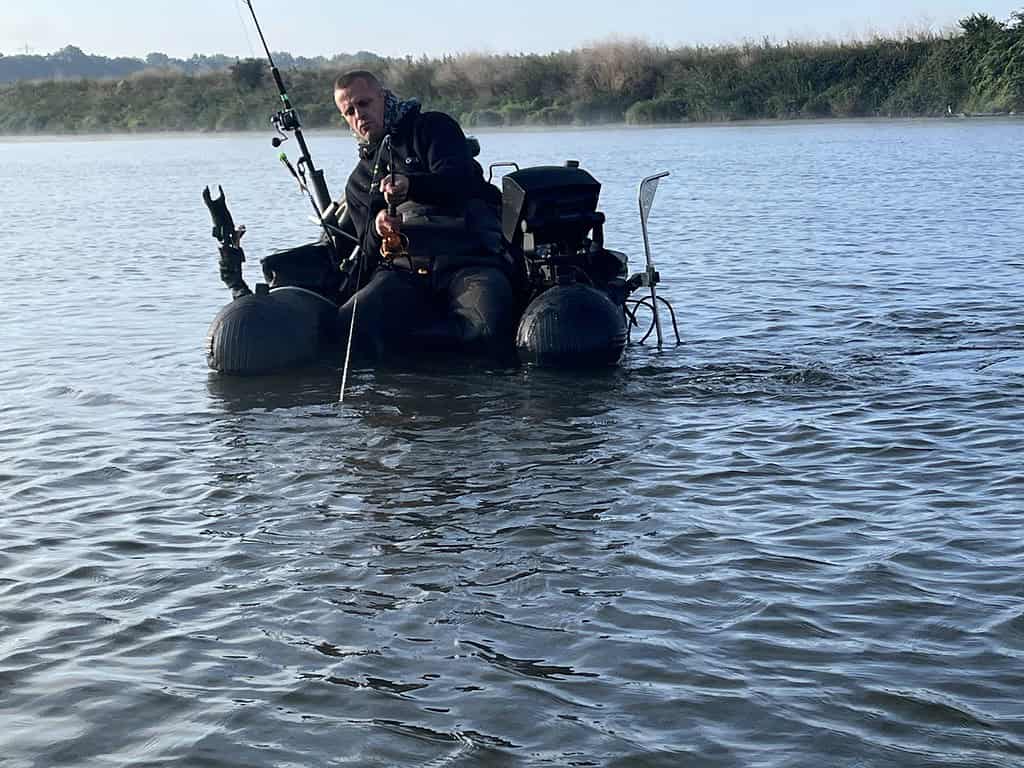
(348, 348)
(245, 30)
(351, 325)
(359, 270)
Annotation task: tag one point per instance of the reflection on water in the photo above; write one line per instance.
(792, 539)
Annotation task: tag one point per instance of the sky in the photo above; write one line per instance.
(180, 28)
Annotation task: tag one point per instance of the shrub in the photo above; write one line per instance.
(666, 110)
(550, 116)
(483, 118)
(514, 114)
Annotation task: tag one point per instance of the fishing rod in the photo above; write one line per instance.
(394, 243)
(287, 121)
(321, 216)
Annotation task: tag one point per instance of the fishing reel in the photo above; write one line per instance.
(285, 121)
(393, 244)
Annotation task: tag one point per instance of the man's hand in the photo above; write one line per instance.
(386, 225)
(395, 188)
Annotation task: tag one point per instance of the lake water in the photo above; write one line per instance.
(794, 540)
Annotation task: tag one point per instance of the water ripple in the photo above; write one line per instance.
(792, 540)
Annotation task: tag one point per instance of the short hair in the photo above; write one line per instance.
(346, 79)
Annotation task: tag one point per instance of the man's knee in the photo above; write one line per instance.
(482, 297)
(378, 316)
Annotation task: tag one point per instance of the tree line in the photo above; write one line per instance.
(72, 63)
(979, 68)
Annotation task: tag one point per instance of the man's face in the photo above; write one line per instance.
(362, 106)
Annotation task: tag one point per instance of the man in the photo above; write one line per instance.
(450, 289)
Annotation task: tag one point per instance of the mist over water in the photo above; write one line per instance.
(793, 540)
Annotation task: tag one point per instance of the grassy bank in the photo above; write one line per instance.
(979, 69)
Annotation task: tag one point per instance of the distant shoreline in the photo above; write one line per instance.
(14, 138)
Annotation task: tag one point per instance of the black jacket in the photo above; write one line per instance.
(446, 189)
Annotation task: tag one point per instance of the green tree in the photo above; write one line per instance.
(248, 73)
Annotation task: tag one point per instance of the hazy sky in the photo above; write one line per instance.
(180, 28)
